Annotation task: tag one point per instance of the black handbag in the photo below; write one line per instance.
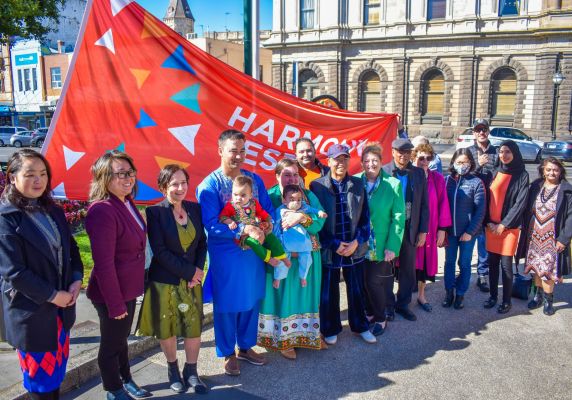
(521, 285)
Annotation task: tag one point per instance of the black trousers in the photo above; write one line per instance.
(496, 262)
(113, 358)
(407, 276)
(54, 395)
(378, 275)
(330, 320)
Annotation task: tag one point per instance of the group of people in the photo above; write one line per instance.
(276, 256)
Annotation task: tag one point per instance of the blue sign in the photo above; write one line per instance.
(27, 59)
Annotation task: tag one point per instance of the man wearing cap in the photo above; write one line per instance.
(310, 167)
(485, 156)
(344, 239)
(414, 186)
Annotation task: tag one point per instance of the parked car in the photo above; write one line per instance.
(529, 148)
(38, 137)
(21, 139)
(6, 133)
(561, 149)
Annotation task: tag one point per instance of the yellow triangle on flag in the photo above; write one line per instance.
(140, 75)
(151, 28)
(161, 161)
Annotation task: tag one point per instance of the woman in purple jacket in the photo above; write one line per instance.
(117, 234)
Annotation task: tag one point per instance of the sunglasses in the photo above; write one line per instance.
(481, 130)
(423, 158)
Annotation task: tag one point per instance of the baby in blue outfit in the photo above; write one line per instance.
(295, 239)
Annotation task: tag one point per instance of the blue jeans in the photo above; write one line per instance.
(483, 264)
(465, 251)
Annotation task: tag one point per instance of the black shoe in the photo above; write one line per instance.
(449, 297)
(425, 306)
(389, 315)
(504, 308)
(548, 304)
(118, 395)
(406, 313)
(490, 303)
(176, 383)
(377, 329)
(483, 284)
(536, 300)
(134, 390)
(192, 380)
(459, 302)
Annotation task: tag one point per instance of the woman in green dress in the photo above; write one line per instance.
(172, 306)
(289, 316)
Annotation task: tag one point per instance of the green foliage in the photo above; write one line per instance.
(28, 18)
(85, 252)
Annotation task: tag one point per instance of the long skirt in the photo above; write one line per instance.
(44, 371)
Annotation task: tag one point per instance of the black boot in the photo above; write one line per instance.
(548, 300)
(483, 284)
(449, 298)
(192, 380)
(537, 299)
(459, 302)
(176, 383)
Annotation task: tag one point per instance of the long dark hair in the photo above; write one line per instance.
(462, 152)
(13, 195)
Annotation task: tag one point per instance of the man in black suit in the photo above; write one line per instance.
(414, 185)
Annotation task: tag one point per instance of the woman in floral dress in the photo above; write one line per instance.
(547, 231)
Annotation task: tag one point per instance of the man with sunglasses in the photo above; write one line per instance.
(485, 156)
(414, 186)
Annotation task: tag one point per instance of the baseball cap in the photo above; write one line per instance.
(481, 122)
(337, 150)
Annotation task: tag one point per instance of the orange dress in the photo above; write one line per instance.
(506, 243)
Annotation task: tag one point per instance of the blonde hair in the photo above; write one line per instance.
(423, 148)
(102, 174)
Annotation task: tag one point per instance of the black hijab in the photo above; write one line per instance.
(516, 166)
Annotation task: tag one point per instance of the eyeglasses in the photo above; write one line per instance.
(481, 130)
(459, 163)
(125, 174)
(423, 158)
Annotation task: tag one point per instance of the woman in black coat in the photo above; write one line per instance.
(41, 274)
(506, 204)
(172, 306)
(547, 231)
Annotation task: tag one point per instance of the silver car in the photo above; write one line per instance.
(21, 139)
(6, 133)
(529, 148)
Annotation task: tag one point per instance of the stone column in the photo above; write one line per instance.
(564, 112)
(543, 94)
(399, 71)
(467, 88)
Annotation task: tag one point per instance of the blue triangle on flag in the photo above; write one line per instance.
(189, 98)
(177, 61)
(146, 192)
(145, 120)
(121, 147)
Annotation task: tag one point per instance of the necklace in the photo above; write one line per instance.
(180, 215)
(544, 198)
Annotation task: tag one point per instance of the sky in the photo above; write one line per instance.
(214, 15)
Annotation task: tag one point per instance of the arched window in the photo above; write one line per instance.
(503, 96)
(369, 92)
(307, 84)
(433, 101)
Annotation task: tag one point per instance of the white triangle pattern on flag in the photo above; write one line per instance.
(106, 41)
(186, 135)
(118, 5)
(59, 192)
(71, 157)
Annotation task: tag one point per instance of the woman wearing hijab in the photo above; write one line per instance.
(506, 203)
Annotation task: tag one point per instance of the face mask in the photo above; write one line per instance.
(462, 169)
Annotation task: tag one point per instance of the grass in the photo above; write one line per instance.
(85, 252)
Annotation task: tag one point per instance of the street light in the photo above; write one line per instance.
(557, 79)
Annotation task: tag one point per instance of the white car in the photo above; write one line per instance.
(529, 148)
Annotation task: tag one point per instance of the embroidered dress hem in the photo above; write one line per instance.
(301, 330)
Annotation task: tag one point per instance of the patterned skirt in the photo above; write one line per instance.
(44, 372)
(171, 310)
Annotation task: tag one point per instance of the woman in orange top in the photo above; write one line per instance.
(506, 203)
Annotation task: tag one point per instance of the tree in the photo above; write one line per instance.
(28, 18)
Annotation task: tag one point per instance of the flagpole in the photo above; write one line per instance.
(251, 37)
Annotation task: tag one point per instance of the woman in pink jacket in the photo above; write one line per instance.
(439, 220)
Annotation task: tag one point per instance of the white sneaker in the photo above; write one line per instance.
(331, 340)
(368, 337)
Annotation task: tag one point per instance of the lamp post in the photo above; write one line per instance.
(557, 79)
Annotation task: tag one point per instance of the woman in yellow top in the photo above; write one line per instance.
(506, 203)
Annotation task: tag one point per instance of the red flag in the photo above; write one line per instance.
(138, 86)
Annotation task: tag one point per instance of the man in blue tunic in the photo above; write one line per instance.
(235, 276)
